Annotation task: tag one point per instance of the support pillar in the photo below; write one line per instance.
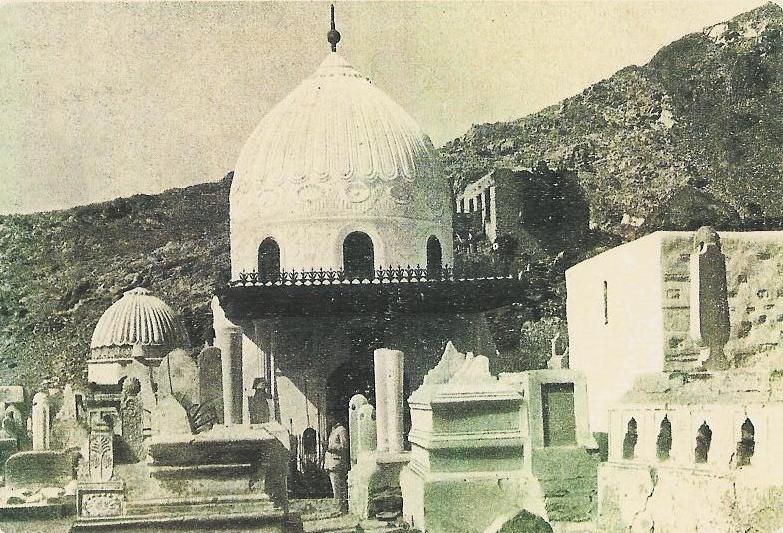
(388, 399)
(229, 340)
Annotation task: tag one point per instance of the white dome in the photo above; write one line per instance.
(137, 318)
(337, 150)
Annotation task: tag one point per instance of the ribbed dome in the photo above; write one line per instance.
(338, 146)
(138, 318)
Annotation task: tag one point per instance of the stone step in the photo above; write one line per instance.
(192, 522)
(349, 524)
(214, 504)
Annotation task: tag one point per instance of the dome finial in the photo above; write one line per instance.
(333, 36)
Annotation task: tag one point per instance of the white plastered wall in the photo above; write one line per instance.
(612, 352)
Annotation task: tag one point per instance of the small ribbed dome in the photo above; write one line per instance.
(138, 318)
(338, 145)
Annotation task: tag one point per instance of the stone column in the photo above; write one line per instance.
(229, 340)
(388, 399)
(40, 425)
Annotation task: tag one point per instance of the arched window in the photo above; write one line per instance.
(358, 256)
(629, 442)
(434, 258)
(664, 442)
(269, 260)
(703, 441)
(747, 444)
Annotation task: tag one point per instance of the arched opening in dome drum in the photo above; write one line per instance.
(358, 256)
(664, 441)
(434, 257)
(703, 441)
(630, 439)
(746, 445)
(269, 260)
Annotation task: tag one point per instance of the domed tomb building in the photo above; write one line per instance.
(138, 326)
(338, 176)
(341, 242)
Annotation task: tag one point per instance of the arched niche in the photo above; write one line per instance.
(434, 257)
(358, 256)
(630, 439)
(703, 441)
(269, 260)
(664, 441)
(746, 445)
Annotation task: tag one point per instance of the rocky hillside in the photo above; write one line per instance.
(704, 113)
(59, 271)
(694, 136)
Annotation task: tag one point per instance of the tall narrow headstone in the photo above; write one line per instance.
(101, 451)
(389, 400)
(356, 402)
(710, 325)
(210, 380)
(132, 419)
(40, 423)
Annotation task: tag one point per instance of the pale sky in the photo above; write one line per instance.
(100, 100)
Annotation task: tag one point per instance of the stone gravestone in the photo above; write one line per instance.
(11, 425)
(210, 380)
(100, 495)
(366, 435)
(40, 422)
(101, 452)
(169, 417)
(143, 373)
(67, 430)
(34, 469)
(9, 443)
(132, 420)
(178, 375)
(356, 401)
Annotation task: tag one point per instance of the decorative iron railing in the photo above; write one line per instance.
(391, 274)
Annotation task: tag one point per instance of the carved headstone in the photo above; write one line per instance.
(101, 452)
(40, 422)
(710, 325)
(210, 376)
(354, 404)
(67, 431)
(132, 419)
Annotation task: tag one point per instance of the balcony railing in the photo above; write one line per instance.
(399, 274)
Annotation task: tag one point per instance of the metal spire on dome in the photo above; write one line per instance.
(333, 36)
